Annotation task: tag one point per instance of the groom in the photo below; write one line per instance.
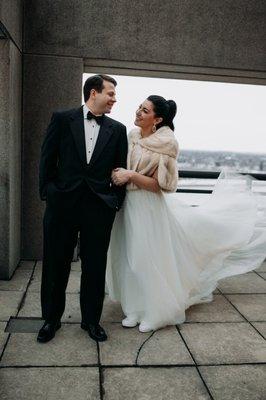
(81, 148)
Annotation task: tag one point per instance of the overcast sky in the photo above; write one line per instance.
(210, 116)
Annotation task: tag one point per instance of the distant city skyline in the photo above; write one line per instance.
(218, 160)
(211, 116)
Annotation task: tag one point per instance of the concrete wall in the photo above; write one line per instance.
(11, 16)
(50, 83)
(187, 39)
(11, 12)
(10, 157)
(204, 33)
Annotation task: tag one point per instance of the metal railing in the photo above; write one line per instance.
(210, 175)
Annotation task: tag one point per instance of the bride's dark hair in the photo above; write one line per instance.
(165, 109)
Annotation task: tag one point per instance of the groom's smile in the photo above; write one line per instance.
(104, 100)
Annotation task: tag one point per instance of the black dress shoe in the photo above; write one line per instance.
(96, 332)
(47, 331)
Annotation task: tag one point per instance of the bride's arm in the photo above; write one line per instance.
(145, 182)
(121, 176)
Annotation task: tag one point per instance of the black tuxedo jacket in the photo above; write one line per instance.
(63, 165)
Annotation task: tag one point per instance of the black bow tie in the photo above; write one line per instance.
(98, 118)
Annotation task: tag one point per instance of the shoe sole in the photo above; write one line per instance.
(92, 337)
(84, 327)
(48, 340)
(97, 340)
(129, 326)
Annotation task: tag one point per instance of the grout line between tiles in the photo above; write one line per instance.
(259, 274)
(145, 366)
(197, 368)
(244, 317)
(19, 307)
(4, 347)
(100, 370)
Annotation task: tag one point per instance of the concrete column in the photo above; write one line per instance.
(11, 12)
(50, 83)
(10, 159)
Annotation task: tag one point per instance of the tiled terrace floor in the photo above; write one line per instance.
(219, 353)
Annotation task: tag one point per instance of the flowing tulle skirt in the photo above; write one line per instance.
(165, 255)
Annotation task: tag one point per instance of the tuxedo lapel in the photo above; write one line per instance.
(78, 132)
(77, 129)
(105, 133)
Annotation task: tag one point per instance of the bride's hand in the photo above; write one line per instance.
(120, 176)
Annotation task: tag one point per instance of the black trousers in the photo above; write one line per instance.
(90, 216)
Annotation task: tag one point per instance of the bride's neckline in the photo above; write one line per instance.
(162, 129)
(145, 137)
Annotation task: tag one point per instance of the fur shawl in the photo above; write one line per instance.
(157, 151)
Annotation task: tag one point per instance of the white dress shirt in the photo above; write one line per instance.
(91, 129)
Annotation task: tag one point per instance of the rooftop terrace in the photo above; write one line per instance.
(218, 353)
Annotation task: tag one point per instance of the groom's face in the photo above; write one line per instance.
(105, 100)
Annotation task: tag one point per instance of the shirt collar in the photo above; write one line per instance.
(86, 110)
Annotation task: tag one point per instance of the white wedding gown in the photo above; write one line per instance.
(165, 255)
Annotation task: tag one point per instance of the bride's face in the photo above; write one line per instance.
(145, 116)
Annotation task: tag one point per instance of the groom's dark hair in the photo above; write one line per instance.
(96, 82)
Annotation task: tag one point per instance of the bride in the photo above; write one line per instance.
(165, 255)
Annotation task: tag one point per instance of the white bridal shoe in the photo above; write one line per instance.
(145, 327)
(129, 322)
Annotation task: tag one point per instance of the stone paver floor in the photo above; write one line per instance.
(218, 353)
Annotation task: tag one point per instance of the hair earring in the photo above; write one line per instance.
(153, 128)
